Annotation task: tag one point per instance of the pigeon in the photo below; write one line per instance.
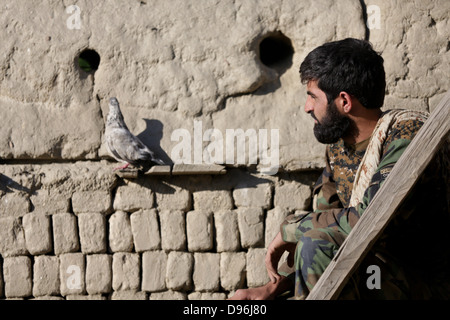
(123, 146)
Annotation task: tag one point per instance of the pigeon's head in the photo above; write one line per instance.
(114, 115)
(114, 105)
(113, 101)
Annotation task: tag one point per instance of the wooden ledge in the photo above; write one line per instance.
(177, 170)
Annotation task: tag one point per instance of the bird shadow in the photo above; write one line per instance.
(151, 137)
(9, 185)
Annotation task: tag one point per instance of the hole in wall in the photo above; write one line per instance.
(276, 51)
(88, 60)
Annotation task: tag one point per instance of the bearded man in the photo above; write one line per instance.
(345, 92)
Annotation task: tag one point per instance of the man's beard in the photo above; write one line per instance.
(333, 126)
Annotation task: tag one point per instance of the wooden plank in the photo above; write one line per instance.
(381, 209)
(178, 169)
(158, 170)
(127, 174)
(182, 169)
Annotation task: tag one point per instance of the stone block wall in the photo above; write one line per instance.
(72, 229)
(166, 237)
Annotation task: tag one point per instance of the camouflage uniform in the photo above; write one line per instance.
(412, 254)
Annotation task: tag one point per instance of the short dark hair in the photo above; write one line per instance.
(349, 65)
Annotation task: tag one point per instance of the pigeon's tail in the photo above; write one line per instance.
(158, 161)
(147, 164)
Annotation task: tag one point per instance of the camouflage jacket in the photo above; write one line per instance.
(416, 235)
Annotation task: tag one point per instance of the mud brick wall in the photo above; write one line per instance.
(166, 237)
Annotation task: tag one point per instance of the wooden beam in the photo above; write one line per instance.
(178, 169)
(381, 209)
(183, 169)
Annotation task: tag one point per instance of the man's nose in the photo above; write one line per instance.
(308, 105)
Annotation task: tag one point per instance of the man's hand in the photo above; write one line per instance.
(278, 283)
(259, 293)
(274, 252)
(269, 291)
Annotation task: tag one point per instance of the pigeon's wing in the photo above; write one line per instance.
(143, 153)
(112, 145)
(127, 147)
(119, 141)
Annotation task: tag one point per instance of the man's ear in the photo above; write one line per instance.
(344, 101)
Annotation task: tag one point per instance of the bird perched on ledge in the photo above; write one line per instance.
(123, 146)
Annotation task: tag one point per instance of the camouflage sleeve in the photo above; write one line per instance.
(324, 198)
(344, 219)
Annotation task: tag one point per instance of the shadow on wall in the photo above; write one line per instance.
(6, 184)
(152, 136)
